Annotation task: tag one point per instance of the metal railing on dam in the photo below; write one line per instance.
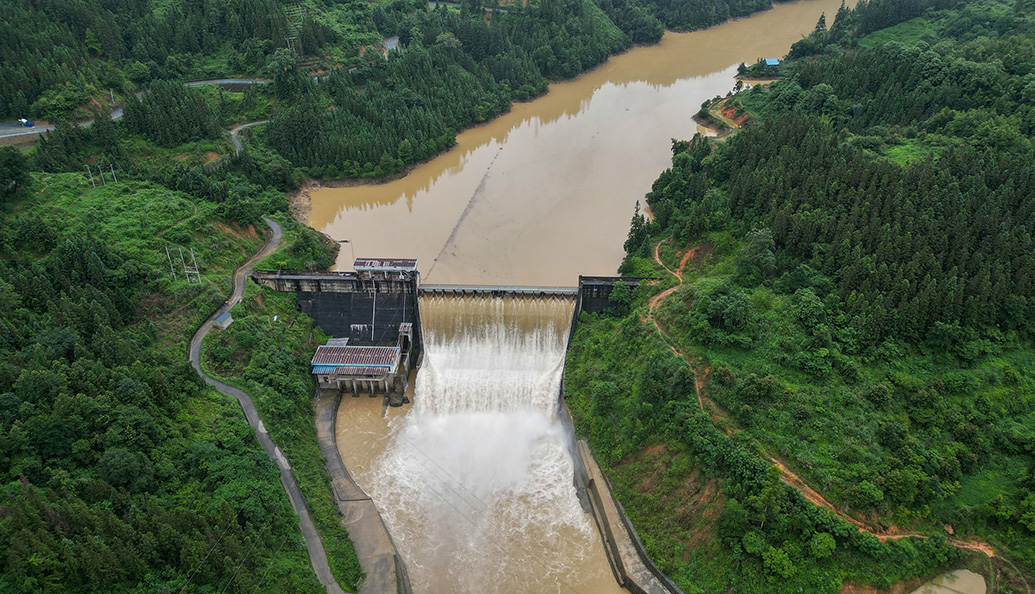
(497, 290)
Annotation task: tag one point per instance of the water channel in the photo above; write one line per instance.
(474, 479)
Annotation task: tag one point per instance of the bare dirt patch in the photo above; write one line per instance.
(692, 503)
(300, 203)
(237, 230)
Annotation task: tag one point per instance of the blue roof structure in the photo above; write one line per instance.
(772, 62)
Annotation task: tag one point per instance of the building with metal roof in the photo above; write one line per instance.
(772, 62)
(223, 320)
(356, 368)
(385, 265)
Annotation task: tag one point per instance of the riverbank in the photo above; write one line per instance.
(560, 174)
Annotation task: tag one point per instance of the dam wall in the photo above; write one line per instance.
(363, 307)
(369, 309)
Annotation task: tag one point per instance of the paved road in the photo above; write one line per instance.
(14, 129)
(237, 141)
(317, 555)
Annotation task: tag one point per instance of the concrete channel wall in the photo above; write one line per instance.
(630, 563)
(378, 557)
(329, 298)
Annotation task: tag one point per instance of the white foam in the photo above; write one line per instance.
(476, 486)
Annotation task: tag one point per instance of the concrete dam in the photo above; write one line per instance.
(480, 481)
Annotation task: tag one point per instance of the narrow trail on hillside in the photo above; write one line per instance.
(701, 377)
(313, 544)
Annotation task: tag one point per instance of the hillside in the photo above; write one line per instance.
(855, 308)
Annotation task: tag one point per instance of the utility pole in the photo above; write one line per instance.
(93, 184)
(172, 269)
(190, 270)
(113, 172)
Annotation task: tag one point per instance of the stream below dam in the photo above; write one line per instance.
(474, 479)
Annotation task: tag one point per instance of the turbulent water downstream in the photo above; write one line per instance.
(475, 483)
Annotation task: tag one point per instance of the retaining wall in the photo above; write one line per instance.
(378, 557)
(629, 560)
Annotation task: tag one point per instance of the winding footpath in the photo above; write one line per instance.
(317, 555)
(786, 475)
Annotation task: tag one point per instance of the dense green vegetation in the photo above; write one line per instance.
(121, 471)
(270, 360)
(363, 115)
(628, 393)
(57, 56)
(455, 71)
(863, 302)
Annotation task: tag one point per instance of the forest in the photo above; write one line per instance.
(366, 112)
(121, 470)
(856, 306)
(59, 56)
(861, 308)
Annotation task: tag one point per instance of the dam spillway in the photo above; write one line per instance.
(475, 481)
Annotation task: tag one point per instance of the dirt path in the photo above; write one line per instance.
(653, 304)
(786, 475)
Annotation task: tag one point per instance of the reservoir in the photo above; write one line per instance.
(474, 479)
(546, 192)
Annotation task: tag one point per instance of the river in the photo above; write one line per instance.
(546, 192)
(474, 480)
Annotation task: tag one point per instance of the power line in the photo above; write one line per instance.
(270, 566)
(249, 554)
(198, 568)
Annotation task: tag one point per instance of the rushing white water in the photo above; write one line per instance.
(476, 484)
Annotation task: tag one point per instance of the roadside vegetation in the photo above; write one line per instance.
(852, 325)
(119, 467)
(266, 352)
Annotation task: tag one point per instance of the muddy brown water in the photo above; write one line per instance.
(545, 192)
(535, 197)
(961, 581)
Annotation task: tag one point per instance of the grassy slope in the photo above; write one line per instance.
(144, 219)
(270, 360)
(141, 220)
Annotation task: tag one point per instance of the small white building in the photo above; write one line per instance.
(223, 320)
